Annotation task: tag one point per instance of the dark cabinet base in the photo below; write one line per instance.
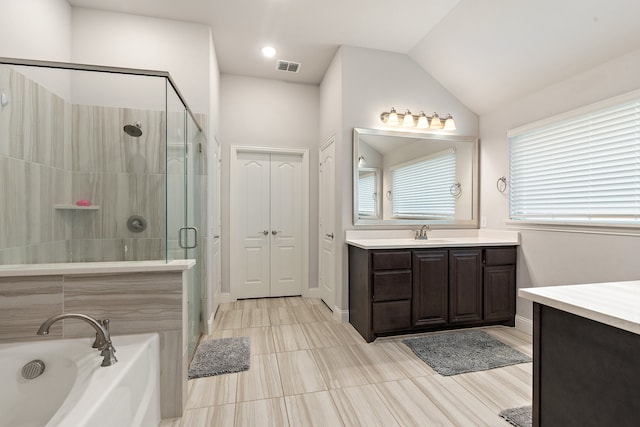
(585, 373)
(405, 291)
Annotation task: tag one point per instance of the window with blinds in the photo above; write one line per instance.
(422, 188)
(584, 169)
(367, 193)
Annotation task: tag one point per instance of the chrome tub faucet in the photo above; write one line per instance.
(103, 336)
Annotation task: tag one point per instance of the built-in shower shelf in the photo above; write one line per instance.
(76, 208)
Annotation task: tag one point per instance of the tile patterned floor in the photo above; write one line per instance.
(308, 370)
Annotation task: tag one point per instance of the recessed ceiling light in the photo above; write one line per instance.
(268, 51)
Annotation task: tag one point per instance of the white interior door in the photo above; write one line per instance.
(253, 229)
(216, 272)
(268, 237)
(327, 224)
(286, 224)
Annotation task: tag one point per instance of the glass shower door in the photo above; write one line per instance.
(182, 235)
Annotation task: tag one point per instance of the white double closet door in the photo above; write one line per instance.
(268, 217)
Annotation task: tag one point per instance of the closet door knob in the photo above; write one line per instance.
(274, 232)
(265, 232)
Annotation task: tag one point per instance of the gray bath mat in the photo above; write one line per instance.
(519, 417)
(465, 351)
(220, 356)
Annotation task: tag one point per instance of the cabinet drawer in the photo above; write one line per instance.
(391, 285)
(382, 260)
(500, 256)
(391, 316)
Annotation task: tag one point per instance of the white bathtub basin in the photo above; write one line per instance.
(74, 391)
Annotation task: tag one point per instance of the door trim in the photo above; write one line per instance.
(234, 246)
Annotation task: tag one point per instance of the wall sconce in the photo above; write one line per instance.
(361, 162)
(422, 121)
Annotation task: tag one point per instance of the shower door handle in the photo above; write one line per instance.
(183, 233)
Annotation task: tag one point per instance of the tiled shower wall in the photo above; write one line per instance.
(53, 152)
(35, 171)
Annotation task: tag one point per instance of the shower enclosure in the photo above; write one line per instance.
(100, 164)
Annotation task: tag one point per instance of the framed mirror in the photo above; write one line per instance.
(414, 178)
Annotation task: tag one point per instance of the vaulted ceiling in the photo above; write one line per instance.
(486, 52)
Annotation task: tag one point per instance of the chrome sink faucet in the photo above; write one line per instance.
(422, 233)
(103, 336)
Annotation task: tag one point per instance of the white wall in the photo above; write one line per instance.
(555, 258)
(40, 30)
(132, 41)
(35, 29)
(373, 81)
(269, 113)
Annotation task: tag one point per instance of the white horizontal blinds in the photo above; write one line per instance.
(423, 188)
(583, 169)
(367, 194)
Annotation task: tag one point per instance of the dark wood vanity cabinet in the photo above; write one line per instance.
(401, 291)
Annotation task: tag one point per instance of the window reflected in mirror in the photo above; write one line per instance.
(414, 178)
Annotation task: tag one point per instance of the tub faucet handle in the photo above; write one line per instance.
(102, 339)
(109, 355)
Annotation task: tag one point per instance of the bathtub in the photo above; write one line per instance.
(74, 391)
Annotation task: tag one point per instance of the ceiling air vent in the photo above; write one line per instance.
(288, 66)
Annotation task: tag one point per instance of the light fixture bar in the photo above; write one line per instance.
(421, 121)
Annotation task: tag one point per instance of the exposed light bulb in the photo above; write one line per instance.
(268, 52)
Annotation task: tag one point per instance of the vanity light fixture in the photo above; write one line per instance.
(421, 121)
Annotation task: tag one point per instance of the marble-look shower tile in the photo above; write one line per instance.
(87, 224)
(27, 302)
(22, 117)
(14, 202)
(5, 112)
(135, 303)
(89, 149)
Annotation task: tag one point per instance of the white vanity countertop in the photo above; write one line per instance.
(615, 304)
(397, 239)
(94, 267)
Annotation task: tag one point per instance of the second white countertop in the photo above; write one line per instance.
(615, 304)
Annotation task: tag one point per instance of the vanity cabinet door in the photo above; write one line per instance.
(465, 286)
(430, 295)
(499, 292)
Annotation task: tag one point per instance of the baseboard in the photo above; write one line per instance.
(341, 316)
(312, 293)
(225, 297)
(524, 324)
(210, 324)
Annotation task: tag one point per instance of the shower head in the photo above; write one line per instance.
(133, 130)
